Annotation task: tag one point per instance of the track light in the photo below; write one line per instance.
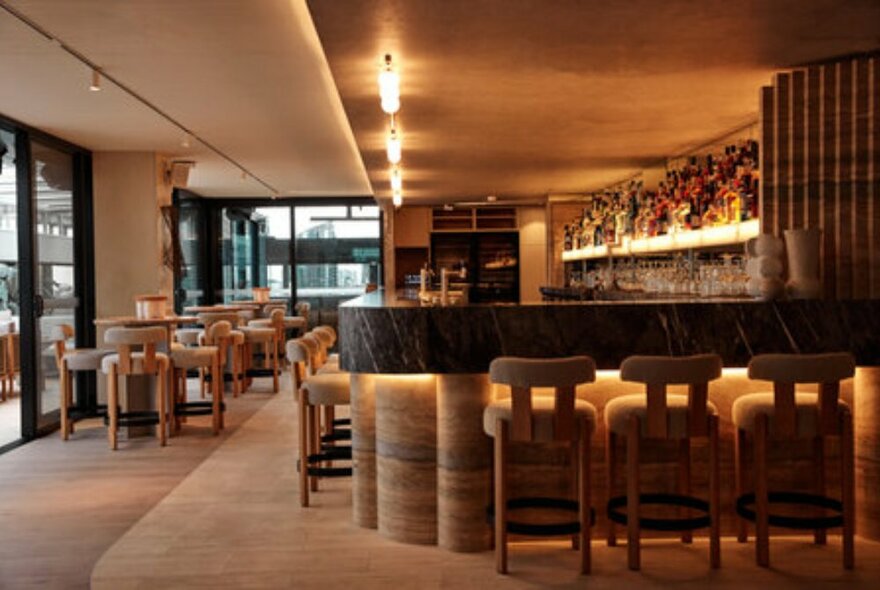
(184, 143)
(392, 146)
(95, 86)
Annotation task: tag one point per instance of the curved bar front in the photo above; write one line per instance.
(420, 383)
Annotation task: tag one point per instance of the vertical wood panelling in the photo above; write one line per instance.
(812, 119)
(828, 176)
(844, 179)
(797, 167)
(861, 197)
(781, 110)
(767, 188)
(874, 175)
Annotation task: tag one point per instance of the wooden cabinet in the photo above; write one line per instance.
(412, 227)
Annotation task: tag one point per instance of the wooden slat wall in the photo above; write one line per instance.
(819, 167)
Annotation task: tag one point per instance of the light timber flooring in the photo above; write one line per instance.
(62, 505)
(235, 522)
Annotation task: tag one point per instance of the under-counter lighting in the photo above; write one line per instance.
(389, 87)
(393, 147)
(95, 86)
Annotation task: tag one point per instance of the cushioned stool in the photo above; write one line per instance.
(208, 357)
(317, 390)
(281, 324)
(125, 362)
(68, 361)
(522, 417)
(786, 414)
(658, 416)
(266, 339)
(233, 361)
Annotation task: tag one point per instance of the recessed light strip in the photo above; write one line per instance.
(98, 74)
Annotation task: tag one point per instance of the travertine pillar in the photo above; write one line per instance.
(363, 443)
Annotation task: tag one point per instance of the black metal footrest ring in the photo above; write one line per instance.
(554, 529)
(342, 422)
(744, 502)
(336, 434)
(260, 372)
(663, 524)
(331, 454)
(134, 418)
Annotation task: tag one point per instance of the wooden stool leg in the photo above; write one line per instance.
(762, 508)
(275, 368)
(684, 480)
(739, 449)
(501, 433)
(112, 401)
(217, 393)
(610, 479)
(163, 392)
(236, 371)
(848, 481)
(584, 495)
(304, 439)
(202, 383)
(490, 489)
(65, 397)
(315, 436)
(819, 536)
(714, 494)
(632, 493)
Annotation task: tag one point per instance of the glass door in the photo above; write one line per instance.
(55, 300)
(10, 406)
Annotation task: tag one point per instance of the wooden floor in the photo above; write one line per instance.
(62, 505)
(235, 521)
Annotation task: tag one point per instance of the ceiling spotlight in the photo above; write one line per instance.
(389, 87)
(185, 141)
(491, 198)
(397, 198)
(274, 195)
(396, 179)
(243, 175)
(95, 86)
(392, 145)
(448, 207)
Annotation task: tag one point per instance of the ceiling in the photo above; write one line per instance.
(248, 77)
(523, 98)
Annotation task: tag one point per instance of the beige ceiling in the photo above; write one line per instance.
(248, 76)
(521, 98)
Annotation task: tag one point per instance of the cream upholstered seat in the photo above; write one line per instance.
(328, 389)
(67, 361)
(542, 416)
(193, 358)
(125, 362)
(657, 416)
(788, 414)
(188, 336)
(747, 408)
(618, 411)
(258, 333)
(525, 417)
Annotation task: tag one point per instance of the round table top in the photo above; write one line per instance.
(130, 320)
(253, 302)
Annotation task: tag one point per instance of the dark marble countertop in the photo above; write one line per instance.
(386, 332)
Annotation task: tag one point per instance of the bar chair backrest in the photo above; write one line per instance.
(327, 333)
(315, 346)
(60, 335)
(206, 318)
(523, 374)
(125, 338)
(787, 370)
(658, 372)
(299, 355)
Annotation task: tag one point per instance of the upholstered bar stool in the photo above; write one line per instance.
(125, 362)
(786, 414)
(68, 361)
(267, 340)
(658, 416)
(523, 417)
(282, 325)
(210, 356)
(316, 391)
(233, 362)
(327, 335)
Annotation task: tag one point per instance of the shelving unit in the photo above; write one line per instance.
(474, 219)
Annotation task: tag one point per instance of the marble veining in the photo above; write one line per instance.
(380, 333)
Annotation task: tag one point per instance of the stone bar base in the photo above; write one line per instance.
(363, 453)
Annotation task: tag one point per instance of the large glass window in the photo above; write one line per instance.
(10, 411)
(338, 253)
(275, 238)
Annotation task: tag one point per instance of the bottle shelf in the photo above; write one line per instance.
(722, 235)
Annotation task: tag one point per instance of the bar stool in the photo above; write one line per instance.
(522, 417)
(327, 335)
(316, 391)
(281, 323)
(658, 416)
(233, 361)
(267, 340)
(126, 363)
(69, 360)
(787, 415)
(209, 356)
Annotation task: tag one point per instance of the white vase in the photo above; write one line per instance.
(802, 250)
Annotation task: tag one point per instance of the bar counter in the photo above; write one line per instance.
(420, 383)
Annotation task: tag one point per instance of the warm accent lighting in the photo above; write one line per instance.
(397, 198)
(389, 87)
(396, 180)
(393, 146)
(95, 86)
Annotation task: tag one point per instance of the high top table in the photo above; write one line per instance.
(419, 386)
